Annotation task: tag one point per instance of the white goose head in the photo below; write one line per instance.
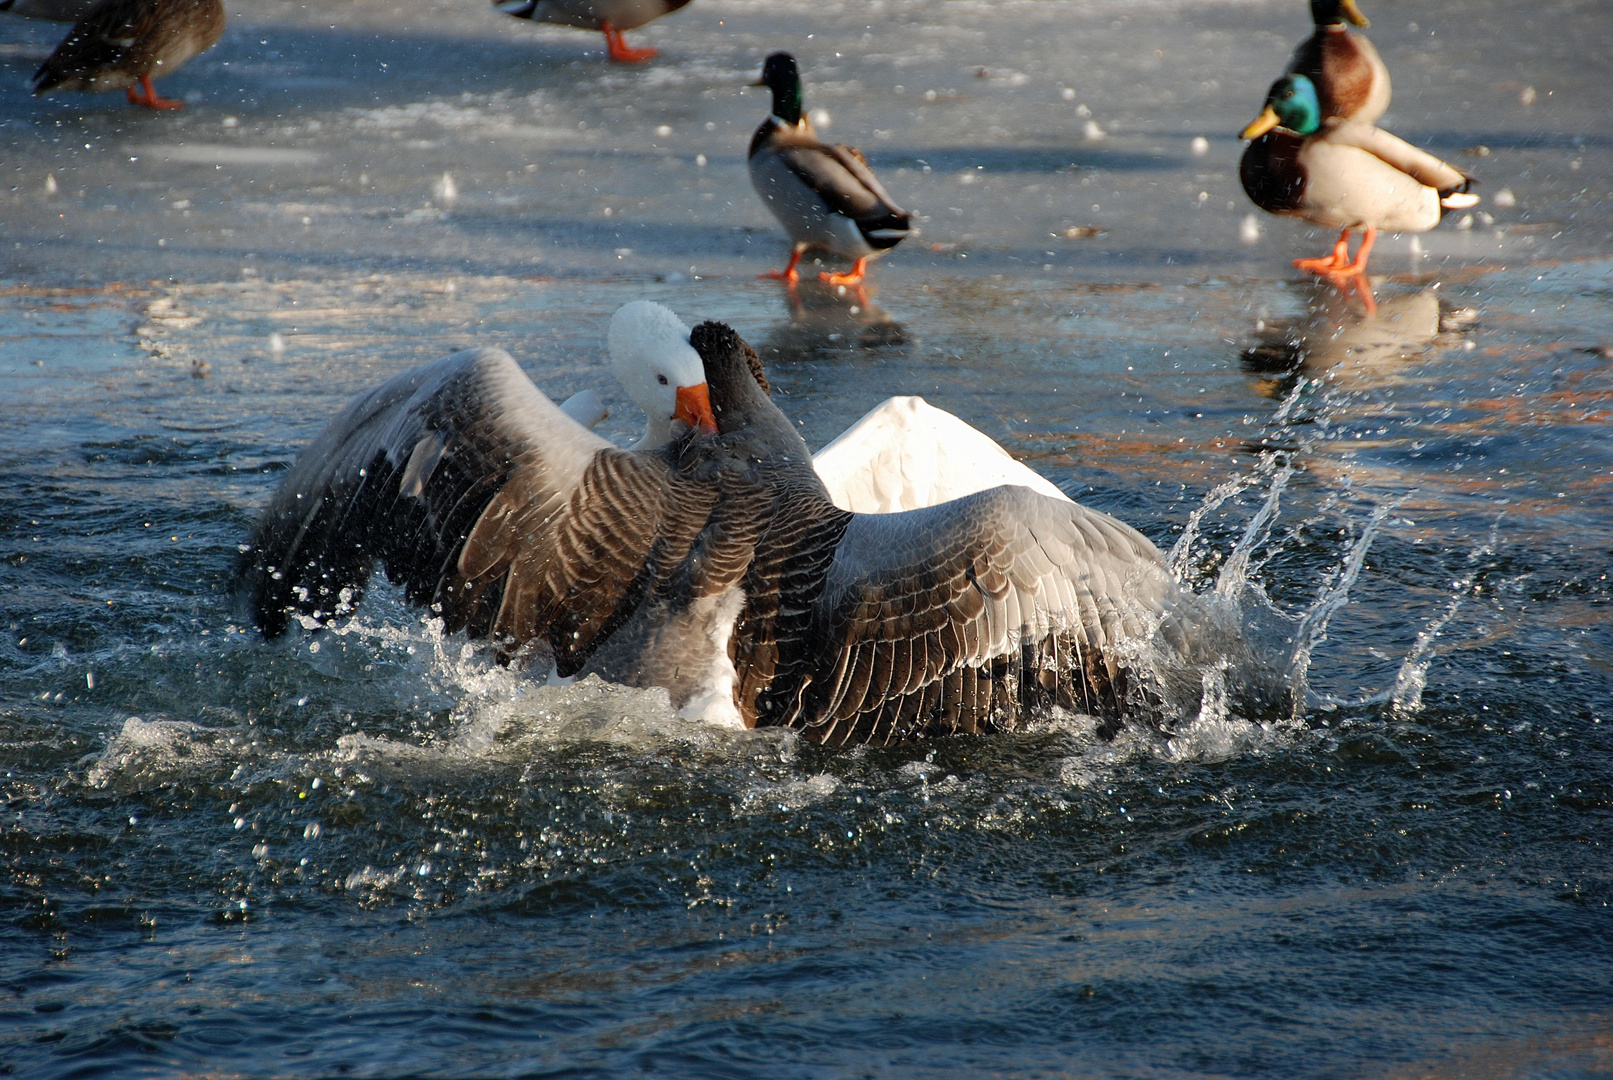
(659, 369)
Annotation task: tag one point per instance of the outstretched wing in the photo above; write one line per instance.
(966, 615)
(905, 454)
(481, 498)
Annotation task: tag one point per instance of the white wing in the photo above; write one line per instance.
(906, 454)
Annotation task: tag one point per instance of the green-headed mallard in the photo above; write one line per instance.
(1344, 174)
(609, 16)
(824, 195)
(123, 43)
(1350, 79)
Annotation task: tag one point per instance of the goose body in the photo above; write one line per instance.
(1351, 80)
(1343, 174)
(715, 566)
(122, 44)
(68, 11)
(823, 194)
(610, 17)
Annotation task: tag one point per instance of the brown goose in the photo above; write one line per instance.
(715, 567)
(1351, 80)
(124, 43)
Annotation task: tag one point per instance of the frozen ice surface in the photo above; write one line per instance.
(321, 134)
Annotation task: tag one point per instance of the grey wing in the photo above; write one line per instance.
(970, 614)
(847, 186)
(478, 495)
(1418, 164)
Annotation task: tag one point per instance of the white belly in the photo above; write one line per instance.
(1347, 187)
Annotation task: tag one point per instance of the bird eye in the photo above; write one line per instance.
(661, 379)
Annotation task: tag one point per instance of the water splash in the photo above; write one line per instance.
(1333, 595)
(1405, 694)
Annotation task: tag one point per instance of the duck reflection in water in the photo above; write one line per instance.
(828, 320)
(1347, 347)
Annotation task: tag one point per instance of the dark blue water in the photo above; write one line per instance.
(376, 853)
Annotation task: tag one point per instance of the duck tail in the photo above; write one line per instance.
(1458, 196)
(520, 9)
(887, 230)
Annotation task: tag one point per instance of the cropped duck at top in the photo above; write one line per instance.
(610, 17)
(1351, 80)
(122, 44)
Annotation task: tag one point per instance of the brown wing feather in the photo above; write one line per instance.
(965, 617)
(482, 499)
(130, 38)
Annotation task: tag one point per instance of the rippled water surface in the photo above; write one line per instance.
(377, 853)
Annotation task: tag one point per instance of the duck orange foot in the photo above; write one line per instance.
(147, 97)
(620, 51)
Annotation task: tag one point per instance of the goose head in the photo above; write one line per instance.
(1291, 103)
(661, 372)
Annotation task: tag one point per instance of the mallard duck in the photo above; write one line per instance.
(824, 195)
(1350, 79)
(609, 16)
(1345, 174)
(50, 10)
(123, 43)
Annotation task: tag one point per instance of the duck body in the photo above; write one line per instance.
(715, 566)
(591, 14)
(124, 43)
(1351, 80)
(824, 195)
(1347, 175)
(610, 17)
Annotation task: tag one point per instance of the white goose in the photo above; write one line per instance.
(650, 353)
(903, 454)
(715, 566)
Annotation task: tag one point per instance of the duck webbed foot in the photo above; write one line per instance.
(1331, 263)
(147, 96)
(789, 273)
(859, 270)
(621, 51)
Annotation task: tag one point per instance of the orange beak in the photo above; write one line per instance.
(694, 408)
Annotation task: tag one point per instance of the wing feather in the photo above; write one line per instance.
(962, 616)
(1416, 163)
(480, 497)
(845, 184)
